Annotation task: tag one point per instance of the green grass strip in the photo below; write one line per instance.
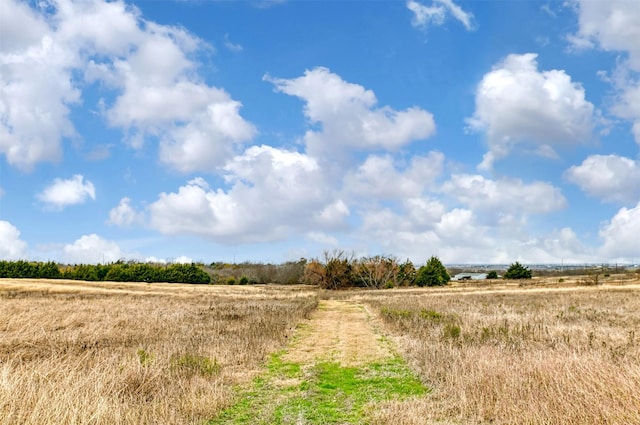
(326, 393)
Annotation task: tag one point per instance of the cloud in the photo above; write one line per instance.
(546, 8)
(559, 246)
(620, 236)
(517, 104)
(460, 236)
(615, 26)
(348, 115)
(63, 193)
(626, 102)
(161, 95)
(124, 214)
(147, 69)
(92, 249)
(454, 235)
(182, 260)
(11, 246)
(36, 89)
(435, 14)
(504, 195)
(155, 260)
(209, 139)
(322, 239)
(273, 193)
(233, 47)
(380, 177)
(611, 178)
(480, 220)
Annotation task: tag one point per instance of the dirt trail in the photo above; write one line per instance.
(341, 332)
(337, 370)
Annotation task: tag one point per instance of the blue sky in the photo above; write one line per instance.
(478, 131)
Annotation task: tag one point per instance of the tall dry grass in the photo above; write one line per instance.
(563, 356)
(105, 353)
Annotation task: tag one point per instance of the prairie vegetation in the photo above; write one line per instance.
(118, 353)
(534, 356)
(540, 351)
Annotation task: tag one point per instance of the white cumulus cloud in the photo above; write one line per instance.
(124, 214)
(92, 249)
(459, 235)
(48, 57)
(273, 192)
(611, 178)
(504, 195)
(349, 117)
(380, 177)
(182, 260)
(517, 104)
(615, 26)
(36, 89)
(11, 246)
(620, 236)
(154, 260)
(63, 193)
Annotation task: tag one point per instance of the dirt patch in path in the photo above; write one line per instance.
(340, 332)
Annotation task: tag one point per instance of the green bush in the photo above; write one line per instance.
(517, 271)
(492, 274)
(432, 274)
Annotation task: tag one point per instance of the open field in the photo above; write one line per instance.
(499, 352)
(567, 355)
(107, 353)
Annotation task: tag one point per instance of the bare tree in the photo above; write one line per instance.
(377, 272)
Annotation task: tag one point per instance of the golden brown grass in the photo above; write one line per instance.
(517, 356)
(107, 353)
(546, 352)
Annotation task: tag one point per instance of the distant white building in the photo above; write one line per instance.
(470, 276)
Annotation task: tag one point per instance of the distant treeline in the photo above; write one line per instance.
(116, 272)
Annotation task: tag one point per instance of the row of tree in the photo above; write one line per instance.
(336, 270)
(31, 270)
(117, 272)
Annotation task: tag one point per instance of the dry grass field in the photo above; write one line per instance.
(547, 352)
(107, 353)
(505, 354)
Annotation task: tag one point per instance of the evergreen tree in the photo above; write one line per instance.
(517, 271)
(432, 274)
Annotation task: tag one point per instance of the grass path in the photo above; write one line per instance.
(335, 371)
